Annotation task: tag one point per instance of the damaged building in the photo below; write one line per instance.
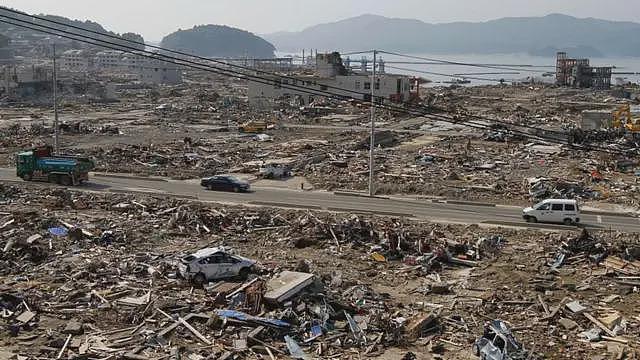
(579, 73)
(146, 70)
(330, 75)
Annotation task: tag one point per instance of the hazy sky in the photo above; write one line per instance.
(156, 18)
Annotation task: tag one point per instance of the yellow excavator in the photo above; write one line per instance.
(623, 119)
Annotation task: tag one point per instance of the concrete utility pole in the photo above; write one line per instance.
(56, 144)
(372, 141)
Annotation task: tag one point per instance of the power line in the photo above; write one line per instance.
(455, 62)
(223, 72)
(257, 79)
(442, 74)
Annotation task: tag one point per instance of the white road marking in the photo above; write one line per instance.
(599, 219)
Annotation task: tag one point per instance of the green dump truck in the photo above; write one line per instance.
(41, 165)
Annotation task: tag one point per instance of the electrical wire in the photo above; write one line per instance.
(269, 81)
(441, 74)
(225, 72)
(454, 62)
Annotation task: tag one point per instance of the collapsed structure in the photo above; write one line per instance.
(580, 74)
(332, 75)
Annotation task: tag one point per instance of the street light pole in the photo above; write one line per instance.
(55, 104)
(373, 125)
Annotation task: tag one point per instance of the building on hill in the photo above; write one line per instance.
(76, 60)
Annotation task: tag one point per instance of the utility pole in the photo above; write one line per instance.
(56, 144)
(373, 124)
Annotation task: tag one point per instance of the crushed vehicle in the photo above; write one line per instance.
(275, 171)
(225, 183)
(498, 343)
(214, 263)
(561, 211)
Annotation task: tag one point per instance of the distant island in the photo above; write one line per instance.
(533, 35)
(218, 41)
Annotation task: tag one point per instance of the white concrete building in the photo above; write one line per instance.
(159, 72)
(331, 76)
(109, 59)
(76, 60)
(147, 70)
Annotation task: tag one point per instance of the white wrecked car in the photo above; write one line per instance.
(214, 263)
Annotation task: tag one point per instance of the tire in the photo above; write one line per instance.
(199, 280)
(244, 273)
(53, 179)
(568, 222)
(65, 180)
(27, 177)
(210, 187)
(532, 220)
(236, 189)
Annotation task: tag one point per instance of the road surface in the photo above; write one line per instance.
(451, 212)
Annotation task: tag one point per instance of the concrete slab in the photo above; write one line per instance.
(286, 285)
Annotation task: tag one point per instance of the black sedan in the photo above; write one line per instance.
(225, 183)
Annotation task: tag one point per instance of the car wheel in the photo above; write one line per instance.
(210, 187)
(244, 273)
(532, 220)
(65, 180)
(199, 280)
(53, 179)
(236, 189)
(568, 222)
(26, 177)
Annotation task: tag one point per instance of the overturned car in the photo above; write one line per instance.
(213, 264)
(498, 343)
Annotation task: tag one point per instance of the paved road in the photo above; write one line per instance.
(445, 212)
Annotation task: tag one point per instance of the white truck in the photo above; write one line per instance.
(562, 211)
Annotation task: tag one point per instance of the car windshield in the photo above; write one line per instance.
(542, 206)
(232, 179)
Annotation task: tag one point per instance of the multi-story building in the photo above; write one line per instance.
(109, 60)
(330, 76)
(76, 60)
(147, 70)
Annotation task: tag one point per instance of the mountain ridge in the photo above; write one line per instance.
(506, 35)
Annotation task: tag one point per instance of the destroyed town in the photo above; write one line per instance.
(268, 188)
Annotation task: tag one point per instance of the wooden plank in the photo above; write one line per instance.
(616, 339)
(556, 310)
(544, 305)
(241, 288)
(64, 347)
(194, 331)
(599, 324)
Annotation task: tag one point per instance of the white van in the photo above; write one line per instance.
(561, 211)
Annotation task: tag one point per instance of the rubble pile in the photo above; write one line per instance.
(96, 267)
(90, 274)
